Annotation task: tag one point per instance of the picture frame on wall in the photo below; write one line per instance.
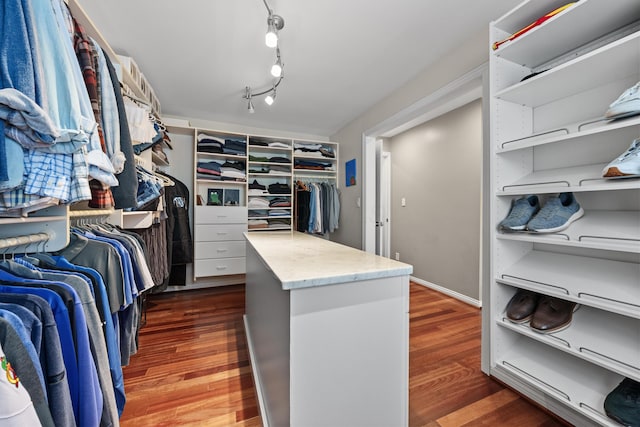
(350, 175)
(231, 197)
(215, 196)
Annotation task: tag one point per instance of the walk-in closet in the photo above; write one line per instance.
(276, 213)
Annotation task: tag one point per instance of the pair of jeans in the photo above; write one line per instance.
(149, 187)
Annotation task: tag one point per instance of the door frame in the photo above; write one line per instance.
(383, 202)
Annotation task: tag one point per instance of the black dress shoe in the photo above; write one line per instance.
(552, 315)
(522, 305)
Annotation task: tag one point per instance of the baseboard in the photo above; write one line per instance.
(254, 371)
(465, 299)
(213, 282)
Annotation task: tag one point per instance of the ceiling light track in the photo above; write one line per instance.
(275, 23)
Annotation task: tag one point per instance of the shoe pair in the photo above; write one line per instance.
(545, 314)
(526, 214)
(623, 403)
(627, 165)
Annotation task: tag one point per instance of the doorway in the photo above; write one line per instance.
(459, 92)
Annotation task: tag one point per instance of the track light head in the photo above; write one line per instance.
(276, 69)
(274, 24)
(247, 96)
(271, 97)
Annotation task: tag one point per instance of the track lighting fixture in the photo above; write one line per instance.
(275, 23)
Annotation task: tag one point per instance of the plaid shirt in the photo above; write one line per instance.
(80, 179)
(101, 196)
(48, 175)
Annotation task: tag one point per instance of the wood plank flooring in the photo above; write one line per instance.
(193, 369)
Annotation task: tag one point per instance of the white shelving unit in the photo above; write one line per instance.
(219, 247)
(218, 240)
(266, 171)
(548, 135)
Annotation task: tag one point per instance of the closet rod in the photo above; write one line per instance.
(135, 98)
(315, 177)
(10, 242)
(90, 212)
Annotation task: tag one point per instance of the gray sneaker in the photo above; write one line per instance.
(522, 210)
(556, 214)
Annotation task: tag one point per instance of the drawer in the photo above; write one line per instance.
(220, 215)
(217, 233)
(229, 249)
(219, 267)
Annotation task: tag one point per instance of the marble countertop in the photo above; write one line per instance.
(300, 260)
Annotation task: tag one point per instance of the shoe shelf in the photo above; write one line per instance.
(573, 382)
(597, 229)
(549, 135)
(612, 62)
(576, 179)
(552, 38)
(605, 284)
(623, 129)
(584, 339)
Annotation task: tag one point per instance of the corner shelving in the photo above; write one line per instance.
(549, 135)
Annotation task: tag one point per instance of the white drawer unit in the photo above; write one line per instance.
(219, 266)
(219, 240)
(226, 249)
(221, 215)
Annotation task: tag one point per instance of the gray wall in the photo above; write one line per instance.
(457, 63)
(436, 167)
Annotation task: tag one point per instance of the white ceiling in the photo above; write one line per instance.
(341, 56)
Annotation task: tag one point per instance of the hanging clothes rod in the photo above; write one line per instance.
(90, 213)
(10, 242)
(315, 177)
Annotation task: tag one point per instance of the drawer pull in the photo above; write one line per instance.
(221, 267)
(222, 233)
(222, 250)
(222, 216)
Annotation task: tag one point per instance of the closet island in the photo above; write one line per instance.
(328, 332)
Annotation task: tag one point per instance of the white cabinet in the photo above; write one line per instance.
(219, 240)
(548, 136)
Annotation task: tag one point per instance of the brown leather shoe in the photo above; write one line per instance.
(552, 315)
(522, 305)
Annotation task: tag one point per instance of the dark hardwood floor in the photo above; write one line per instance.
(192, 367)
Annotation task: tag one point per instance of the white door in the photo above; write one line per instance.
(383, 208)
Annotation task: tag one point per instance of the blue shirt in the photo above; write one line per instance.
(113, 348)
